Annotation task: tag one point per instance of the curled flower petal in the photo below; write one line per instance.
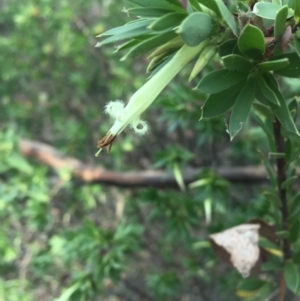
(114, 108)
(139, 126)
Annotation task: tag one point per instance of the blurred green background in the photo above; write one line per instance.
(61, 239)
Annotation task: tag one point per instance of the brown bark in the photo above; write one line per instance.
(50, 156)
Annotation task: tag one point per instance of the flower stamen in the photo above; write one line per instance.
(107, 140)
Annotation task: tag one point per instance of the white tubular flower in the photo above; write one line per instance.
(143, 98)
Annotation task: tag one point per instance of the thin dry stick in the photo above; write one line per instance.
(89, 174)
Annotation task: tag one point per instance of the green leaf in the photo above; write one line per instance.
(171, 45)
(251, 42)
(293, 108)
(291, 276)
(251, 284)
(175, 2)
(280, 21)
(149, 44)
(242, 6)
(273, 264)
(282, 113)
(227, 16)
(196, 28)
(219, 103)
(242, 106)
(170, 20)
(265, 291)
(148, 12)
(158, 65)
(208, 52)
(272, 197)
(178, 177)
(127, 45)
(289, 182)
(264, 110)
(229, 47)
(164, 4)
(297, 12)
(125, 32)
(266, 90)
(140, 24)
(19, 163)
(249, 287)
(274, 65)
(261, 98)
(195, 4)
(295, 205)
(269, 168)
(269, 246)
(66, 295)
(268, 10)
(220, 80)
(293, 69)
(297, 43)
(211, 5)
(265, 125)
(294, 230)
(236, 62)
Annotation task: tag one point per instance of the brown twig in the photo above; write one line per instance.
(150, 178)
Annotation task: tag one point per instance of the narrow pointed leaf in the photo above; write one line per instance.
(211, 5)
(269, 168)
(165, 4)
(236, 62)
(274, 65)
(229, 47)
(261, 98)
(242, 106)
(128, 44)
(282, 113)
(148, 12)
(129, 27)
(264, 110)
(205, 56)
(126, 33)
(149, 44)
(297, 44)
(195, 4)
(173, 44)
(219, 103)
(220, 80)
(292, 276)
(170, 20)
(227, 16)
(267, 91)
(249, 287)
(178, 177)
(293, 69)
(264, 126)
(297, 12)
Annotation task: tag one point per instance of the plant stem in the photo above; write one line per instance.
(281, 177)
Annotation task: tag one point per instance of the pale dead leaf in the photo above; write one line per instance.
(241, 242)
